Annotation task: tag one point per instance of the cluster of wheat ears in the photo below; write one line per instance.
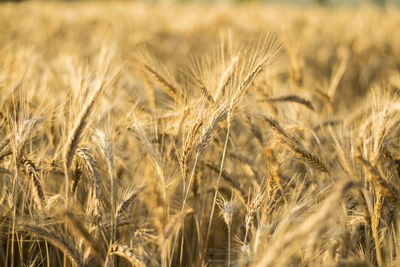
(199, 135)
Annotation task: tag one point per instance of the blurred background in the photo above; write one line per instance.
(292, 2)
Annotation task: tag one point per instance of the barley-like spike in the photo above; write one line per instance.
(78, 127)
(127, 253)
(54, 239)
(126, 203)
(91, 167)
(278, 129)
(275, 174)
(31, 170)
(306, 156)
(208, 131)
(205, 91)
(274, 167)
(291, 98)
(169, 88)
(246, 81)
(188, 146)
(256, 202)
(225, 79)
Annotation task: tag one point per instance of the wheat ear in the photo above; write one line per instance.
(31, 170)
(90, 165)
(290, 98)
(126, 253)
(127, 202)
(80, 123)
(306, 156)
(73, 137)
(171, 90)
(53, 239)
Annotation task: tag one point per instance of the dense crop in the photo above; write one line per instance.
(159, 135)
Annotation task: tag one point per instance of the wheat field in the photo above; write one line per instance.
(193, 134)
